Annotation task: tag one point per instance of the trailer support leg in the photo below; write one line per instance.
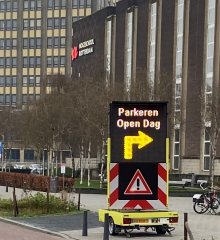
(106, 227)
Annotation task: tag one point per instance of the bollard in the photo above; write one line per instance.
(85, 228)
(185, 229)
(6, 190)
(106, 227)
(79, 201)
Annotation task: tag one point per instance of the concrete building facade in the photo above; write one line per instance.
(161, 50)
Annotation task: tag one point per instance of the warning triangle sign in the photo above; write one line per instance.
(138, 185)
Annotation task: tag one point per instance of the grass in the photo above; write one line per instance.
(37, 205)
(93, 184)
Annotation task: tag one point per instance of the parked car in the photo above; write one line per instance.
(36, 168)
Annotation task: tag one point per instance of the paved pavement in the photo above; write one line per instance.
(203, 227)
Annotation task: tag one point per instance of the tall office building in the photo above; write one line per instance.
(35, 41)
(163, 50)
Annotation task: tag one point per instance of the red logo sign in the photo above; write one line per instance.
(75, 53)
(138, 185)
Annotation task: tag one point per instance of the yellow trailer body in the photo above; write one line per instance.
(138, 169)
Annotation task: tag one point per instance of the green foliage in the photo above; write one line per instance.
(37, 205)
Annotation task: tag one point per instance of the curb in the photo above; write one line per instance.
(35, 228)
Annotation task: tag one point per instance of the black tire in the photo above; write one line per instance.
(200, 207)
(112, 227)
(216, 207)
(161, 230)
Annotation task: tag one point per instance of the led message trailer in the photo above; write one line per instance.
(138, 131)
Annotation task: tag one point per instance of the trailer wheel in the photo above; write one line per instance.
(112, 227)
(161, 230)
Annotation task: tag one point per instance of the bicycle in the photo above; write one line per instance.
(208, 201)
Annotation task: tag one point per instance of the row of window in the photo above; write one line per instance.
(29, 155)
(11, 81)
(8, 43)
(28, 98)
(55, 61)
(56, 23)
(8, 81)
(31, 81)
(8, 24)
(31, 43)
(11, 62)
(52, 42)
(8, 62)
(8, 99)
(56, 42)
(29, 24)
(8, 5)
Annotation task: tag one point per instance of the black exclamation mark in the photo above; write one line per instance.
(138, 184)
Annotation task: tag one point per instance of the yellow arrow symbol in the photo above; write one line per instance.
(142, 140)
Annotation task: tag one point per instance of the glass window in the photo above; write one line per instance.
(2, 6)
(55, 61)
(31, 81)
(38, 4)
(2, 43)
(28, 155)
(31, 97)
(88, 4)
(63, 23)
(62, 61)
(25, 62)
(32, 4)
(14, 81)
(31, 43)
(2, 100)
(38, 61)
(81, 3)
(8, 99)
(62, 42)
(2, 81)
(24, 99)
(14, 24)
(37, 81)
(49, 42)
(2, 25)
(49, 61)
(8, 43)
(25, 43)
(49, 23)
(14, 99)
(56, 42)
(8, 24)
(56, 4)
(50, 4)
(8, 5)
(25, 24)
(37, 96)
(31, 22)
(63, 3)
(56, 23)
(8, 62)
(25, 4)
(24, 81)
(14, 62)
(2, 62)
(7, 81)
(75, 3)
(14, 5)
(38, 23)
(38, 42)
(14, 43)
(32, 62)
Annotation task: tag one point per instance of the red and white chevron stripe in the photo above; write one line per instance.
(160, 203)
